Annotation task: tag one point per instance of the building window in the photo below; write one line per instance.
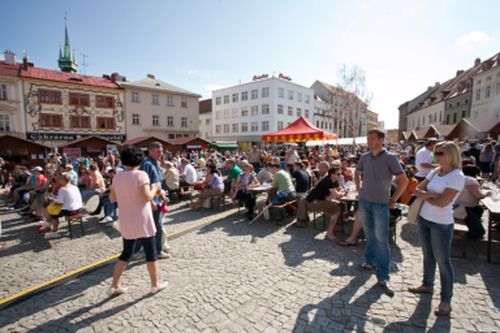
(308, 99)
(235, 98)
(280, 109)
(170, 100)
(207, 122)
(184, 102)
(4, 123)
(171, 136)
(254, 110)
(244, 96)
(265, 108)
(226, 128)
(478, 94)
(498, 88)
(51, 120)
(217, 129)
(135, 97)
(226, 99)
(255, 93)
(255, 126)
(234, 113)
(317, 123)
(49, 96)
(135, 119)
(306, 113)
(226, 114)
(265, 125)
(281, 92)
(447, 119)
(79, 121)
(487, 92)
(170, 121)
(290, 95)
(265, 92)
(235, 128)
(218, 100)
(3, 91)
(217, 115)
(244, 112)
(299, 96)
(178, 135)
(464, 114)
(454, 117)
(290, 111)
(104, 101)
(154, 99)
(244, 127)
(299, 112)
(184, 122)
(280, 125)
(156, 120)
(435, 117)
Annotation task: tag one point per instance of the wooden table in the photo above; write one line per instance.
(260, 189)
(493, 208)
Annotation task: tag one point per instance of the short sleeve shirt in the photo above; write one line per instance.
(322, 189)
(136, 215)
(283, 182)
(234, 172)
(377, 176)
(424, 155)
(153, 170)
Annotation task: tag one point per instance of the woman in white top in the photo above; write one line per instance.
(440, 189)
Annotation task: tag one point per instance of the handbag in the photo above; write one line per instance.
(54, 209)
(414, 210)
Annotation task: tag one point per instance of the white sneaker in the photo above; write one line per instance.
(163, 255)
(107, 219)
(44, 224)
(159, 288)
(52, 235)
(116, 291)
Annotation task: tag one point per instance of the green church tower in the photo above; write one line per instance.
(67, 61)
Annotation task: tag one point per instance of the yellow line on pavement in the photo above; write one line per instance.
(96, 264)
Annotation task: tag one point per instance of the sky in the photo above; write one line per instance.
(202, 45)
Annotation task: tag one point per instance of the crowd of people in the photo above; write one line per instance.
(136, 188)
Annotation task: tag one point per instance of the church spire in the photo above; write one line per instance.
(67, 62)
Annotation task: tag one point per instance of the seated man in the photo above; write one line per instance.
(171, 176)
(265, 175)
(189, 176)
(282, 185)
(301, 179)
(322, 198)
(233, 172)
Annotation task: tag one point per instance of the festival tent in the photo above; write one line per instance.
(300, 130)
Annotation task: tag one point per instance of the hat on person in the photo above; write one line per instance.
(336, 164)
(37, 168)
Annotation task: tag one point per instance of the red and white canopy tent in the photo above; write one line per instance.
(300, 130)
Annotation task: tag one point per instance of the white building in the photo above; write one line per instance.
(486, 90)
(11, 98)
(323, 117)
(247, 111)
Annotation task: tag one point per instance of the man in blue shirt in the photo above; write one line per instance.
(151, 166)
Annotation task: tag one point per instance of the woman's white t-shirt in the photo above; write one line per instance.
(438, 184)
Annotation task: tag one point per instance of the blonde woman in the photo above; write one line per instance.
(440, 190)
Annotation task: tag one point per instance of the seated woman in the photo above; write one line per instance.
(245, 181)
(213, 186)
(467, 205)
(70, 199)
(407, 196)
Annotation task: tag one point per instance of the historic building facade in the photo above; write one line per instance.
(11, 105)
(205, 119)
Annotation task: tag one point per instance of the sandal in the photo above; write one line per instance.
(421, 290)
(346, 243)
(442, 312)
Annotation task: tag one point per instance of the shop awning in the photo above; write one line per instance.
(300, 130)
(226, 144)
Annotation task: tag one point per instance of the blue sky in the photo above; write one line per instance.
(203, 45)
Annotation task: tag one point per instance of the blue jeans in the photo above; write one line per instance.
(436, 239)
(109, 207)
(375, 219)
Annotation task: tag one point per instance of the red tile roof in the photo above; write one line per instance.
(57, 76)
(8, 70)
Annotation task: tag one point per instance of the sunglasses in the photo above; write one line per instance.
(439, 153)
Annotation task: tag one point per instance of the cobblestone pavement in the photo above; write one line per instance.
(233, 277)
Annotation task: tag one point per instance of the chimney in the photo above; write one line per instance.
(460, 72)
(25, 61)
(151, 76)
(477, 61)
(9, 57)
(436, 84)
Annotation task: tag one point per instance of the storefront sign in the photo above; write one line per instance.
(36, 136)
(73, 152)
(260, 77)
(284, 77)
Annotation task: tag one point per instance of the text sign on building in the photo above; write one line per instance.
(37, 136)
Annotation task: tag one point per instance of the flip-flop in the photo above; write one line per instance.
(345, 243)
(441, 312)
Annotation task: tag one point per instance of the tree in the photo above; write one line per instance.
(354, 100)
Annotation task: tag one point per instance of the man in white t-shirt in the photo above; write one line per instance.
(423, 160)
(189, 174)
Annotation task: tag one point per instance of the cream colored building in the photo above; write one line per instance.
(486, 91)
(157, 108)
(206, 119)
(11, 100)
(372, 121)
(426, 116)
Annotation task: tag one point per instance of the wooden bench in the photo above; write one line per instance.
(75, 218)
(282, 209)
(460, 231)
(217, 202)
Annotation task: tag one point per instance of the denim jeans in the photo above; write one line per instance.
(436, 240)
(375, 219)
(109, 207)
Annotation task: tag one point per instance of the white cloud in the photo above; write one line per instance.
(472, 40)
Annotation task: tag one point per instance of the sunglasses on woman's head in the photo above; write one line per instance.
(439, 153)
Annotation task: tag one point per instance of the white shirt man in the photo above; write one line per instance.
(423, 160)
(189, 174)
